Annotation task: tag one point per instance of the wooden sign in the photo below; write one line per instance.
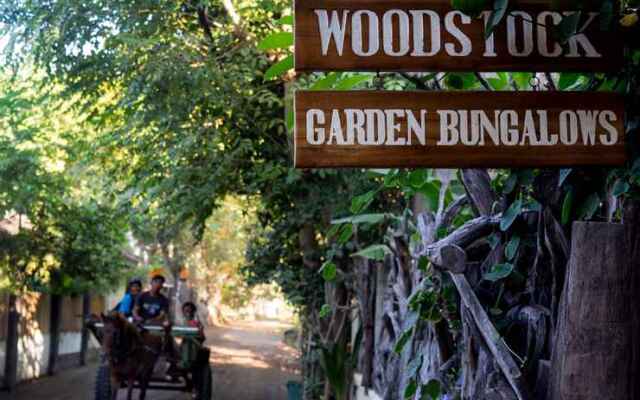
(428, 35)
(457, 129)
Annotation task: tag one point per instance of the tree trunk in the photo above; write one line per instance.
(84, 341)
(593, 356)
(11, 360)
(54, 335)
(366, 296)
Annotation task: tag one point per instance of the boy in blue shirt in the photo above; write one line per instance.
(125, 306)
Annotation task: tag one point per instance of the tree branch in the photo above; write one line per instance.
(203, 19)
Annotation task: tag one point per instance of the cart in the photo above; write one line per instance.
(200, 369)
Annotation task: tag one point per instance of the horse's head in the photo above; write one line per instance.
(116, 338)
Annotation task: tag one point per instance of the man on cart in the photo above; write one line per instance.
(152, 307)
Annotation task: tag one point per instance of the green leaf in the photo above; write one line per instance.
(510, 215)
(326, 82)
(361, 202)
(512, 247)
(373, 252)
(411, 389)
(279, 68)
(472, 8)
(363, 219)
(454, 81)
(325, 311)
(589, 206)
(431, 192)
(510, 183)
(460, 80)
(345, 234)
(564, 173)
(290, 121)
(286, 20)
(432, 390)
(329, 271)
(67, 281)
(402, 341)
(620, 187)
(569, 80)
(276, 40)
(499, 81)
(333, 230)
(499, 271)
(525, 177)
(424, 264)
(418, 177)
(497, 14)
(567, 27)
(352, 81)
(567, 205)
(522, 79)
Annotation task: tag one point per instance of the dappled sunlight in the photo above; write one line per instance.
(246, 358)
(253, 345)
(33, 341)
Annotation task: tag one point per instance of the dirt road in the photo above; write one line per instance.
(250, 362)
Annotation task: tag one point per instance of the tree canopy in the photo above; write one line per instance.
(144, 116)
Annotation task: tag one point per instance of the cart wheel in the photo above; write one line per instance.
(205, 383)
(103, 383)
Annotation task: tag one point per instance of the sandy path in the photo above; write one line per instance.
(250, 362)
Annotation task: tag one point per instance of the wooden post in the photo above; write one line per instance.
(366, 296)
(11, 360)
(594, 347)
(54, 334)
(631, 218)
(84, 343)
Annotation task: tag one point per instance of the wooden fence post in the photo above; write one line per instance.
(84, 342)
(11, 360)
(54, 334)
(593, 353)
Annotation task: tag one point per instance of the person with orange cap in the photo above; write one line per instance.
(152, 306)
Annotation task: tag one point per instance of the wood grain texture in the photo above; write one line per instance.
(309, 52)
(596, 339)
(460, 155)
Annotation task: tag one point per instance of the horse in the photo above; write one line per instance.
(130, 353)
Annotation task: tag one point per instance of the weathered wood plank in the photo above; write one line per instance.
(477, 184)
(428, 35)
(457, 129)
(491, 337)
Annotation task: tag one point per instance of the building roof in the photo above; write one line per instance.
(13, 223)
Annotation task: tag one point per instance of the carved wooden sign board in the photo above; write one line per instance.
(428, 35)
(451, 129)
(457, 129)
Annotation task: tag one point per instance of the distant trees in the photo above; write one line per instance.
(66, 237)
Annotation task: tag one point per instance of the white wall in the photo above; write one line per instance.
(33, 355)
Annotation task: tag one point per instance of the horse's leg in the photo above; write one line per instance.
(130, 382)
(144, 382)
(115, 385)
